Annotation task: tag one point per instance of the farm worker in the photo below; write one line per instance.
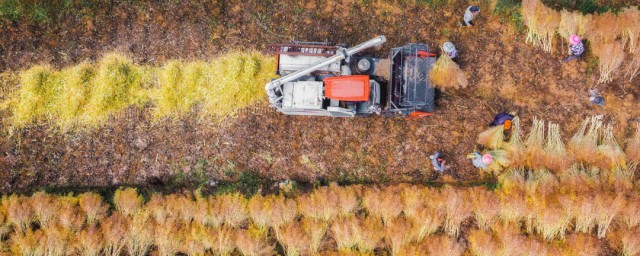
(469, 14)
(576, 49)
(503, 118)
(480, 161)
(450, 49)
(595, 97)
(438, 162)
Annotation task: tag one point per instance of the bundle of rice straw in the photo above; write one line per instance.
(633, 146)
(512, 179)
(534, 145)
(492, 138)
(515, 146)
(447, 74)
(584, 144)
(499, 163)
(541, 181)
(609, 154)
(556, 158)
(622, 179)
(574, 23)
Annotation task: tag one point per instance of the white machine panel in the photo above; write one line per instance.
(303, 95)
(288, 64)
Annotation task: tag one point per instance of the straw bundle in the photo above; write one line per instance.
(534, 145)
(555, 154)
(492, 138)
(447, 74)
(609, 154)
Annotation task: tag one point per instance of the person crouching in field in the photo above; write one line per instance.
(438, 162)
(575, 50)
(469, 14)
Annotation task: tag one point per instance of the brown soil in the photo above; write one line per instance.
(504, 75)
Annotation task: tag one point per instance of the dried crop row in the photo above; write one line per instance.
(609, 34)
(593, 146)
(89, 93)
(401, 219)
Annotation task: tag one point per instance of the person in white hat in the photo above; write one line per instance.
(576, 49)
(450, 50)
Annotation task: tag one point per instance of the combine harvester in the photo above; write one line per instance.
(318, 79)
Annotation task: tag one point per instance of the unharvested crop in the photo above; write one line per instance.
(93, 207)
(223, 240)
(321, 204)
(140, 235)
(89, 242)
(168, 238)
(398, 234)
(19, 212)
(361, 233)
(482, 243)
(127, 201)
(45, 207)
(293, 238)
(627, 242)
(485, 207)
(233, 208)
(316, 231)
(386, 206)
(456, 210)
(253, 243)
(515, 218)
(114, 228)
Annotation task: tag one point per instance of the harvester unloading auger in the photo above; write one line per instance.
(323, 80)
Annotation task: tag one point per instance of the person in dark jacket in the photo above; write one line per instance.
(502, 118)
(505, 119)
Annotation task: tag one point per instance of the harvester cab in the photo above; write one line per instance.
(318, 79)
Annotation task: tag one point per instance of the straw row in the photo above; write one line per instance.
(88, 94)
(609, 34)
(593, 145)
